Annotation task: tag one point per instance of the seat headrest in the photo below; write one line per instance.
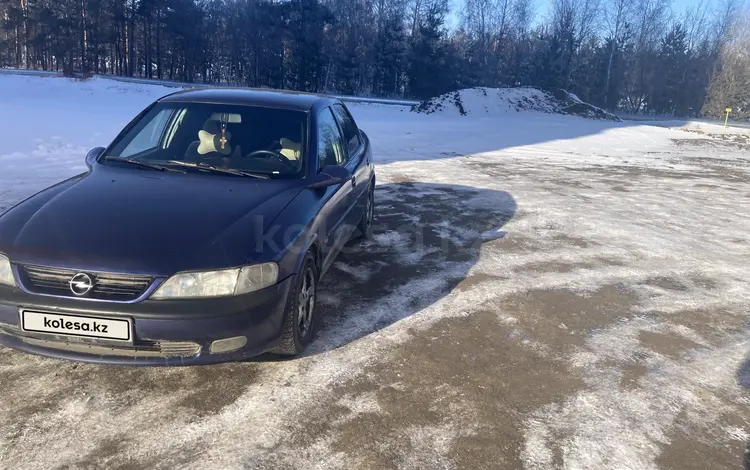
(210, 139)
(290, 149)
(290, 144)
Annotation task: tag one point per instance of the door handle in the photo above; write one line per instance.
(354, 181)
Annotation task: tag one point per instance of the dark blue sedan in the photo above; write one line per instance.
(198, 236)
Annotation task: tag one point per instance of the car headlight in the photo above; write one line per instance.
(6, 274)
(222, 283)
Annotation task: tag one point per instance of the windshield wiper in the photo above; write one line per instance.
(216, 169)
(142, 164)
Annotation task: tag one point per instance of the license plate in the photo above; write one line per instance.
(74, 325)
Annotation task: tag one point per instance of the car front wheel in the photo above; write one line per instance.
(300, 320)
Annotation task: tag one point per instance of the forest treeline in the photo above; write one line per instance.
(632, 55)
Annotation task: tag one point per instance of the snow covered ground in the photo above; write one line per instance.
(541, 292)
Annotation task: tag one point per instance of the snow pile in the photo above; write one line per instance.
(497, 101)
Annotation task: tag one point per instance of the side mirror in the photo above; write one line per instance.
(93, 155)
(331, 175)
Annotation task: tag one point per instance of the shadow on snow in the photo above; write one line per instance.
(426, 238)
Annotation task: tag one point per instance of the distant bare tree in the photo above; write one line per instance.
(731, 85)
(588, 15)
(696, 21)
(617, 14)
(650, 23)
(522, 15)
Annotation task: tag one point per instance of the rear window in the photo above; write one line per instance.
(249, 138)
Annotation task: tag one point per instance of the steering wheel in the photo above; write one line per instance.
(271, 153)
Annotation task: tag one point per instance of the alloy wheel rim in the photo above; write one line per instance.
(306, 303)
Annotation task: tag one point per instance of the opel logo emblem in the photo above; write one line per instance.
(81, 284)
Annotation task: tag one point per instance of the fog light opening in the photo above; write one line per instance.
(223, 346)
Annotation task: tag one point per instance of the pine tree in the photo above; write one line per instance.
(427, 75)
(390, 49)
(668, 92)
(305, 22)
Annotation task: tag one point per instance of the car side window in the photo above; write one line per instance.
(149, 137)
(351, 132)
(330, 143)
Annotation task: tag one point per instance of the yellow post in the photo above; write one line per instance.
(726, 120)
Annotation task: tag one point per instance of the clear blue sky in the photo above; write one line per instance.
(679, 5)
(542, 6)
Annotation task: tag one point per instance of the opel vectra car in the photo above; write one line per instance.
(198, 236)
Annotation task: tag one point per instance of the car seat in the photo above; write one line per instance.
(290, 149)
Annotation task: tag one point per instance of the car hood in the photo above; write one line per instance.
(138, 221)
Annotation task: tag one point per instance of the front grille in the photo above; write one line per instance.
(141, 348)
(157, 349)
(116, 287)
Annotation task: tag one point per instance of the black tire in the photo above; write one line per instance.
(297, 332)
(365, 224)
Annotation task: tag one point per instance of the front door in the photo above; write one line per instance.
(356, 162)
(339, 199)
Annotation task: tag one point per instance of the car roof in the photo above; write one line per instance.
(295, 100)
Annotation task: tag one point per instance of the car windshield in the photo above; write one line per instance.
(201, 136)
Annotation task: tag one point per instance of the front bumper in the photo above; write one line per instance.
(165, 333)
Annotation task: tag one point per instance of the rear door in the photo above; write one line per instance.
(331, 150)
(357, 161)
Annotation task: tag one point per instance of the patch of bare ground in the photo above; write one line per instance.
(565, 267)
(717, 169)
(729, 141)
(704, 282)
(733, 171)
(692, 448)
(190, 393)
(578, 242)
(223, 383)
(692, 131)
(667, 283)
(456, 394)
(712, 161)
(559, 319)
(115, 454)
(118, 388)
(514, 244)
(467, 379)
(573, 184)
(402, 179)
(668, 344)
(631, 374)
(554, 267)
(709, 324)
(476, 279)
(739, 138)
(725, 170)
